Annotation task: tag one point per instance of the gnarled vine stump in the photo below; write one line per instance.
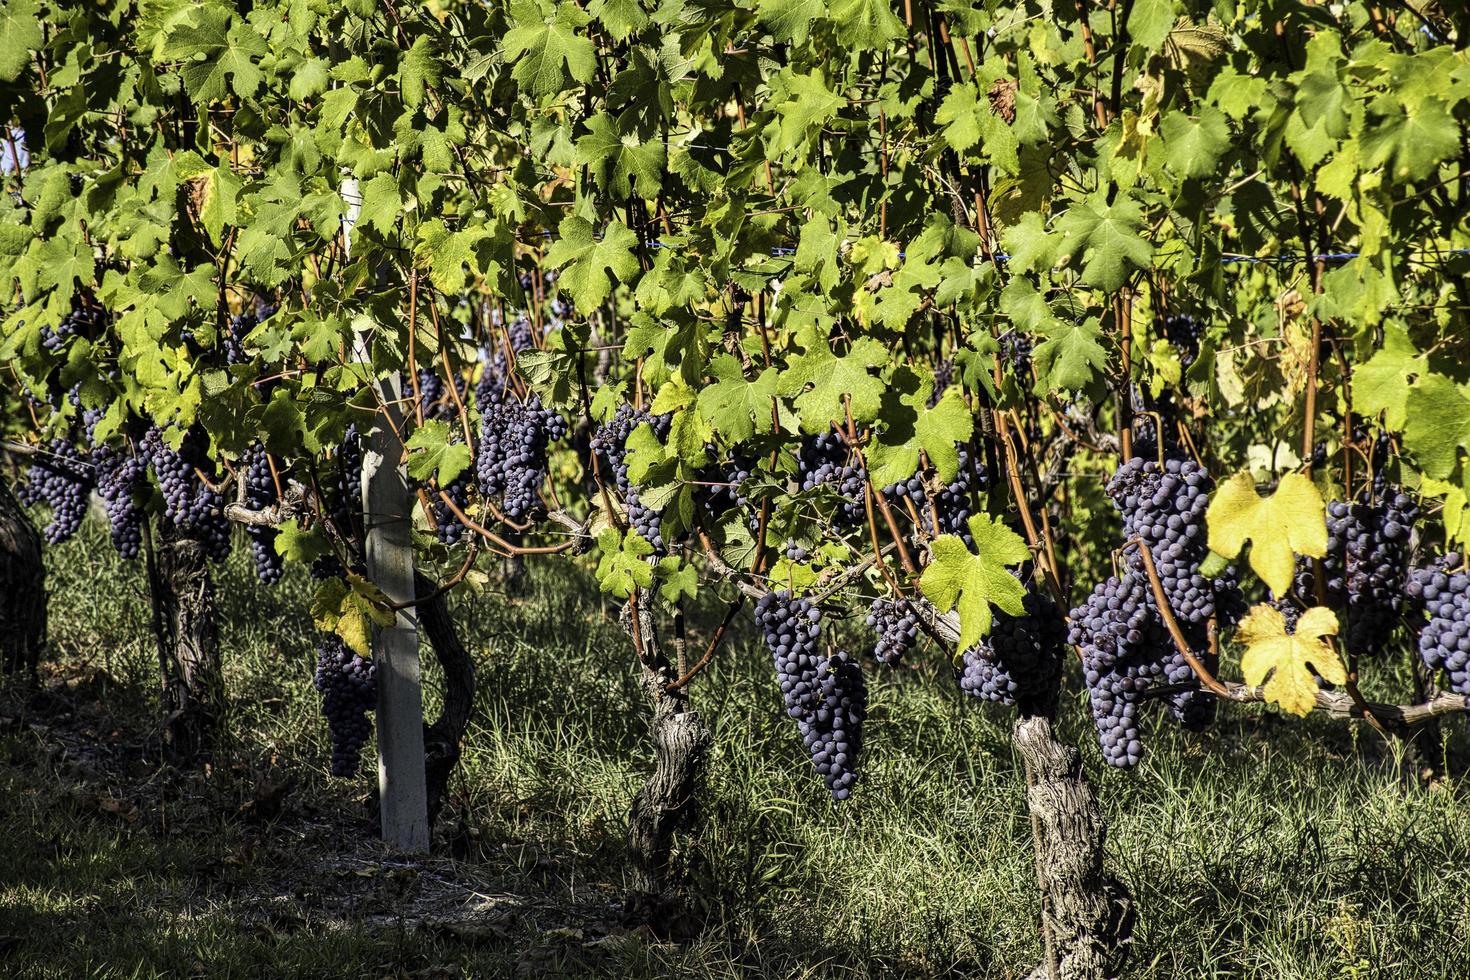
(1087, 917)
(187, 633)
(22, 587)
(666, 807)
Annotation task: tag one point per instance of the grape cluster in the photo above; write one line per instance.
(721, 487)
(63, 479)
(1020, 661)
(511, 464)
(1443, 587)
(260, 493)
(1366, 564)
(897, 627)
(494, 371)
(349, 688)
(943, 378)
(610, 444)
(794, 551)
(450, 529)
(190, 503)
(826, 459)
(1126, 649)
(82, 321)
(121, 475)
(953, 503)
(1183, 332)
(826, 695)
(346, 498)
(1164, 505)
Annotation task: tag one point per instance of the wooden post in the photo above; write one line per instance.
(388, 520)
(388, 517)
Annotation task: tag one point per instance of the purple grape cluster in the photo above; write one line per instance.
(943, 378)
(1366, 564)
(610, 444)
(1443, 589)
(260, 493)
(897, 627)
(1126, 649)
(449, 528)
(511, 463)
(1020, 661)
(826, 459)
(825, 695)
(349, 688)
(346, 495)
(190, 502)
(1184, 333)
(63, 479)
(1164, 506)
(121, 478)
(83, 321)
(952, 505)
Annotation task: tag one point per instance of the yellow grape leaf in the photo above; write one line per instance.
(1288, 523)
(1270, 650)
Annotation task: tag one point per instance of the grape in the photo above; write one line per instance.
(451, 529)
(1164, 505)
(826, 459)
(346, 510)
(793, 551)
(943, 378)
(1020, 661)
(260, 493)
(720, 488)
(511, 464)
(1183, 332)
(191, 504)
(825, 695)
(82, 321)
(1366, 563)
(897, 627)
(1443, 590)
(120, 476)
(609, 443)
(63, 480)
(349, 688)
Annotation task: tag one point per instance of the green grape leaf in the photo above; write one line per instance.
(790, 20)
(1437, 424)
(622, 567)
(1106, 237)
(589, 260)
(546, 54)
(974, 581)
(680, 580)
(434, 455)
(1382, 383)
(910, 426)
(20, 25)
(219, 52)
(737, 409)
(300, 545)
(1070, 358)
(823, 382)
(1193, 146)
(619, 163)
(621, 17)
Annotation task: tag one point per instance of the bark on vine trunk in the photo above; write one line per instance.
(22, 587)
(666, 808)
(444, 736)
(187, 633)
(1087, 916)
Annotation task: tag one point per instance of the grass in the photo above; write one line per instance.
(1264, 848)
